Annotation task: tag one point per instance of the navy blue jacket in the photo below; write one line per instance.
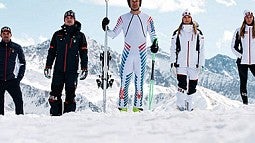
(12, 61)
(67, 45)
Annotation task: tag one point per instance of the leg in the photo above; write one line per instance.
(193, 79)
(70, 87)
(181, 93)
(13, 87)
(55, 100)
(139, 70)
(243, 74)
(126, 69)
(2, 91)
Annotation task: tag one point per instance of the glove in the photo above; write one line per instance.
(173, 69)
(154, 46)
(47, 73)
(84, 74)
(105, 22)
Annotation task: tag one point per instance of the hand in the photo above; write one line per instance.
(47, 73)
(105, 22)
(154, 46)
(84, 74)
(173, 69)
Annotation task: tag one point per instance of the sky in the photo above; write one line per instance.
(33, 22)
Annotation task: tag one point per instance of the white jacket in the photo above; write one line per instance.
(188, 56)
(246, 49)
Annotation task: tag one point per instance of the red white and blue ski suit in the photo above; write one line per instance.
(134, 28)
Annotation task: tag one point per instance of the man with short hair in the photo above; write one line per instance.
(12, 69)
(135, 25)
(67, 45)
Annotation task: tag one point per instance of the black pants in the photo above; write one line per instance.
(59, 80)
(182, 83)
(13, 88)
(243, 74)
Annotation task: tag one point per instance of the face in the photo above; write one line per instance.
(249, 19)
(186, 19)
(69, 20)
(6, 36)
(135, 4)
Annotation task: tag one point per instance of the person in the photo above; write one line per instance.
(66, 46)
(187, 59)
(13, 66)
(243, 46)
(135, 25)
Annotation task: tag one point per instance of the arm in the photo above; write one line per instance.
(117, 29)
(51, 52)
(151, 29)
(83, 53)
(173, 48)
(201, 53)
(22, 63)
(235, 44)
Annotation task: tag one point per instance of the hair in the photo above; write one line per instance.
(242, 29)
(194, 28)
(128, 1)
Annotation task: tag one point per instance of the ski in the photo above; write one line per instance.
(150, 98)
(104, 80)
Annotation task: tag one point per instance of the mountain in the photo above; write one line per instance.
(220, 76)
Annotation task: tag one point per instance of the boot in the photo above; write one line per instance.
(180, 99)
(56, 106)
(69, 107)
(136, 109)
(188, 103)
(244, 98)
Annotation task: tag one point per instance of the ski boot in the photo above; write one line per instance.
(244, 98)
(136, 109)
(69, 106)
(180, 99)
(188, 103)
(56, 106)
(122, 109)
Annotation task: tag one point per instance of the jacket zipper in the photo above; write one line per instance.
(5, 62)
(249, 49)
(65, 58)
(188, 55)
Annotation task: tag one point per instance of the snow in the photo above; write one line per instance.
(215, 119)
(228, 125)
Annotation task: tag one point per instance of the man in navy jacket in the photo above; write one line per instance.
(12, 69)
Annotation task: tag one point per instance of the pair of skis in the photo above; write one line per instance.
(105, 80)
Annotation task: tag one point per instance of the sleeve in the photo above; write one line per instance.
(83, 53)
(51, 52)
(151, 29)
(117, 29)
(202, 51)
(22, 63)
(235, 44)
(173, 48)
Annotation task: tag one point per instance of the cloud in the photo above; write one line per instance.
(24, 41)
(195, 6)
(224, 42)
(228, 3)
(2, 6)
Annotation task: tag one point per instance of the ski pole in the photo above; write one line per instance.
(151, 81)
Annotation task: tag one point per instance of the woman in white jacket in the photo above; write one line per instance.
(187, 56)
(243, 46)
